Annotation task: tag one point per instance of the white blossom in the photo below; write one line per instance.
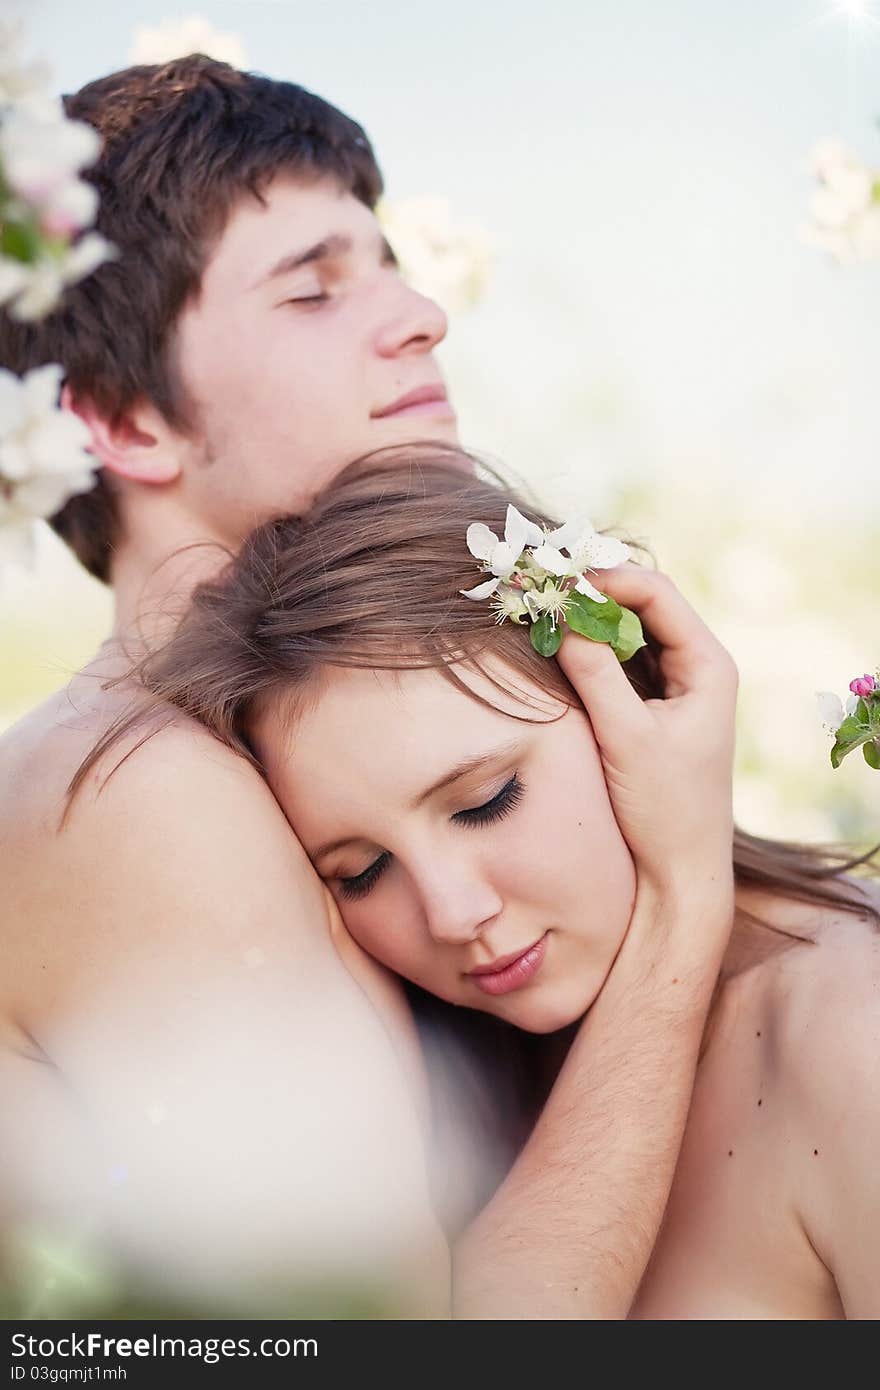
(18, 79)
(509, 603)
(32, 291)
(41, 152)
(500, 557)
(845, 211)
(14, 277)
(43, 456)
(446, 259)
(176, 38)
(552, 600)
(832, 710)
(587, 550)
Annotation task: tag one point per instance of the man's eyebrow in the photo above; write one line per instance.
(462, 769)
(332, 247)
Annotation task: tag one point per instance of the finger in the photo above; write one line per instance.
(616, 712)
(691, 657)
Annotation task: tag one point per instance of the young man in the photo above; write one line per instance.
(227, 1080)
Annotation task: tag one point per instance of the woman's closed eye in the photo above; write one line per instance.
(488, 812)
(360, 885)
(501, 804)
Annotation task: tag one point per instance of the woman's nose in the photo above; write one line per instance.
(459, 908)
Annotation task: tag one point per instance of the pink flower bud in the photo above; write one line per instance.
(59, 224)
(863, 686)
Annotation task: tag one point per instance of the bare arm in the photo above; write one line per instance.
(570, 1231)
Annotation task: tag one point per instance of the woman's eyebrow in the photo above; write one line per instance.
(467, 765)
(332, 247)
(473, 763)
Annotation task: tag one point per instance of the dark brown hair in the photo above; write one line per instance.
(370, 577)
(182, 142)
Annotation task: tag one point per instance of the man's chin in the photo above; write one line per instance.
(444, 432)
(424, 435)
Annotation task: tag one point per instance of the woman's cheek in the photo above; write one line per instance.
(381, 930)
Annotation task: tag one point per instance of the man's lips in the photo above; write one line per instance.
(423, 396)
(510, 972)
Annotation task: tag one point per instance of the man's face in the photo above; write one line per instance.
(301, 341)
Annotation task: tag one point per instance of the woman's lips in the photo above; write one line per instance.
(515, 974)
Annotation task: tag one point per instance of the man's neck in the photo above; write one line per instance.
(154, 574)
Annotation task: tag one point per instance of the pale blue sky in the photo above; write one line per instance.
(641, 167)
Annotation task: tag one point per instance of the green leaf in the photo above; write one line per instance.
(546, 639)
(851, 730)
(20, 242)
(607, 610)
(863, 740)
(598, 621)
(630, 637)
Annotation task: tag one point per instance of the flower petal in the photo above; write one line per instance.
(830, 709)
(482, 590)
(550, 559)
(12, 412)
(568, 532)
(480, 540)
(17, 543)
(42, 386)
(583, 586)
(520, 532)
(43, 495)
(41, 292)
(530, 600)
(602, 552)
(14, 276)
(89, 252)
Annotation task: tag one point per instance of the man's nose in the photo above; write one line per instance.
(413, 323)
(459, 908)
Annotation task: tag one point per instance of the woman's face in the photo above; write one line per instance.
(472, 853)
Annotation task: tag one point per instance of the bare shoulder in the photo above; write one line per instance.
(809, 1002)
(175, 846)
(826, 999)
(817, 993)
(823, 1005)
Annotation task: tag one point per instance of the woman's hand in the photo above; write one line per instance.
(668, 761)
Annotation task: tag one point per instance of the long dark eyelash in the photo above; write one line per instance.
(308, 299)
(361, 884)
(501, 805)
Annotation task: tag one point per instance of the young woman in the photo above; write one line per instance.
(448, 788)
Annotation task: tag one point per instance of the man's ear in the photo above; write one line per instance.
(141, 445)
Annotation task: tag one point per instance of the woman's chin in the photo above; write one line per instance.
(546, 1011)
